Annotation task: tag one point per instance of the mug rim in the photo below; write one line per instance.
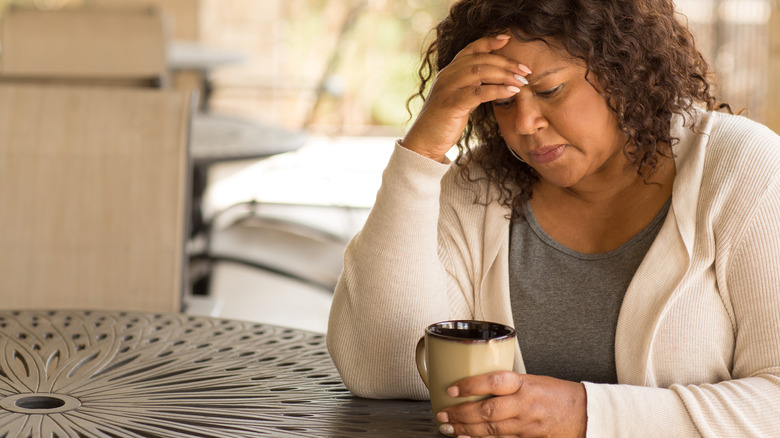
(511, 332)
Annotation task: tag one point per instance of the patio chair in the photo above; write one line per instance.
(93, 187)
(94, 46)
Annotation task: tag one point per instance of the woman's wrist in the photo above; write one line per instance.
(415, 146)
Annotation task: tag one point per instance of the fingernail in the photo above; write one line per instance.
(443, 417)
(522, 79)
(515, 90)
(447, 429)
(502, 37)
(453, 391)
(524, 69)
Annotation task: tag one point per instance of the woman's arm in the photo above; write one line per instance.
(392, 285)
(747, 405)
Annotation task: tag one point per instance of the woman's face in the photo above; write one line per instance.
(559, 124)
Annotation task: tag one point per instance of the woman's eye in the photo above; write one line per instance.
(503, 103)
(549, 93)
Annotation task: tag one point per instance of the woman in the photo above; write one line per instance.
(601, 205)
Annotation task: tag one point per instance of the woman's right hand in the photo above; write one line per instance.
(473, 77)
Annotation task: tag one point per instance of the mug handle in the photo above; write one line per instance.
(422, 361)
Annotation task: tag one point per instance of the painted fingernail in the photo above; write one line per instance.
(522, 79)
(515, 90)
(447, 429)
(524, 69)
(502, 37)
(453, 391)
(443, 417)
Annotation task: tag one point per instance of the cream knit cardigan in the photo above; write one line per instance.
(697, 346)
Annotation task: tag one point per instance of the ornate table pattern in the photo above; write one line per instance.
(111, 374)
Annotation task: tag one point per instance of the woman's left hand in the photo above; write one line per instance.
(524, 405)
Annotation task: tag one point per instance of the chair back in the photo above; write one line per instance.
(183, 15)
(93, 191)
(84, 46)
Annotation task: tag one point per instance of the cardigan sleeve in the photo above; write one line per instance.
(747, 405)
(393, 283)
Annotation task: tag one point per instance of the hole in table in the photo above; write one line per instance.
(39, 402)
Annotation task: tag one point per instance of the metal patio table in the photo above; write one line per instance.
(69, 373)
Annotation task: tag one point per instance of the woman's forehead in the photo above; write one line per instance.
(537, 52)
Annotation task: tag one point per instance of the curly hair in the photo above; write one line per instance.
(643, 56)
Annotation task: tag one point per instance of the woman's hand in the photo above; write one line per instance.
(473, 77)
(524, 406)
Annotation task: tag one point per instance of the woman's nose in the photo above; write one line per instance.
(529, 118)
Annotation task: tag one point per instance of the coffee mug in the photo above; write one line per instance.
(452, 350)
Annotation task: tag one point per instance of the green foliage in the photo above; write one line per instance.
(373, 59)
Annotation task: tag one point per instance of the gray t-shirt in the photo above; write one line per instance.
(565, 304)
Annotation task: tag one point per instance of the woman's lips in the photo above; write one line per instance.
(547, 154)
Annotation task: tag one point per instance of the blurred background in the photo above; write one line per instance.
(316, 92)
(347, 67)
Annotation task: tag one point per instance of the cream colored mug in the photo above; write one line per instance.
(452, 350)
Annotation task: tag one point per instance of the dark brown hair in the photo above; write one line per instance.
(640, 50)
